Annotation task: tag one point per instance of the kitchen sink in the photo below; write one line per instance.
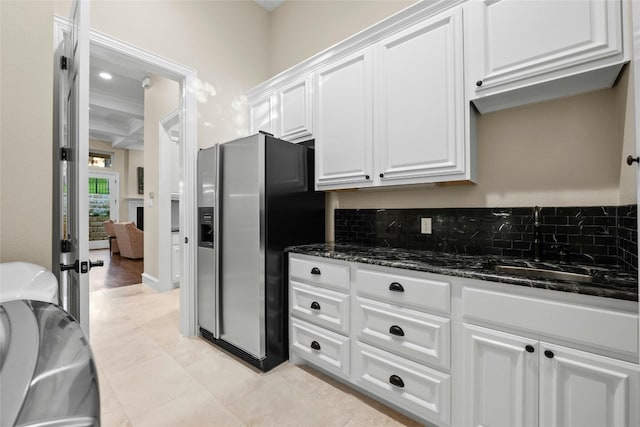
(543, 273)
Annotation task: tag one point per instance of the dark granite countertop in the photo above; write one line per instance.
(608, 282)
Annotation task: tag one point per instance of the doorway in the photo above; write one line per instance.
(124, 53)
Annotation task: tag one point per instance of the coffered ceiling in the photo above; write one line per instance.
(116, 106)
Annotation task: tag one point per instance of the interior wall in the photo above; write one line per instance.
(226, 42)
(26, 112)
(300, 29)
(566, 152)
(160, 99)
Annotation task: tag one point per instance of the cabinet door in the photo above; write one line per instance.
(522, 42)
(295, 107)
(344, 123)
(579, 389)
(261, 115)
(420, 105)
(501, 379)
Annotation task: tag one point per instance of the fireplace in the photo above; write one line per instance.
(140, 217)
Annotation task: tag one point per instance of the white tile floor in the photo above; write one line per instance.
(152, 376)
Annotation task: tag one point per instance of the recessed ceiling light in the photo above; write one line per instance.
(105, 75)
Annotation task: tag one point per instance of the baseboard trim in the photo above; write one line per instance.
(155, 284)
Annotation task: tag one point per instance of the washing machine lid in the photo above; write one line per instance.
(47, 373)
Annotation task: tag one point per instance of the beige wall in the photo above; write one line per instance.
(160, 99)
(226, 42)
(26, 85)
(560, 153)
(300, 29)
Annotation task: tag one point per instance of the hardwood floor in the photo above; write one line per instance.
(117, 271)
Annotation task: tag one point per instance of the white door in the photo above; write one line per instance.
(344, 123)
(501, 375)
(420, 102)
(103, 205)
(71, 189)
(579, 389)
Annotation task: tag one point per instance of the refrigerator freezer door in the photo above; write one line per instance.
(207, 240)
(242, 256)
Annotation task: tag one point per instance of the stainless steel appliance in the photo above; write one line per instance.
(265, 202)
(207, 247)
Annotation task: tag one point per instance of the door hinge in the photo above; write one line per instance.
(65, 246)
(186, 239)
(63, 62)
(65, 154)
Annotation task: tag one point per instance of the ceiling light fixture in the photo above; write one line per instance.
(105, 75)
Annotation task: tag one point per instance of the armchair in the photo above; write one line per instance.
(130, 240)
(111, 235)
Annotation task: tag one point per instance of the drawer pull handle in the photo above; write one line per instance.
(549, 354)
(315, 270)
(396, 330)
(315, 345)
(396, 287)
(315, 305)
(530, 348)
(396, 381)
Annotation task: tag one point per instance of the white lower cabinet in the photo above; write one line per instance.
(412, 386)
(516, 381)
(410, 333)
(321, 347)
(449, 351)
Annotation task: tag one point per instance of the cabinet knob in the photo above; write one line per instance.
(315, 345)
(631, 159)
(396, 287)
(315, 305)
(479, 83)
(549, 354)
(315, 270)
(381, 175)
(366, 177)
(396, 381)
(396, 330)
(530, 348)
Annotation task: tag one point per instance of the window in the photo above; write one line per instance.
(100, 159)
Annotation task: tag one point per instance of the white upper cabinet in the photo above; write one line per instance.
(528, 51)
(295, 121)
(343, 117)
(420, 104)
(261, 115)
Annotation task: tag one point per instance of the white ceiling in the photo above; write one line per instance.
(116, 106)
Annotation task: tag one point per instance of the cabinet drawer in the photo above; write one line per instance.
(416, 335)
(595, 327)
(420, 293)
(416, 388)
(315, 271)
(321, 347)
(322, 307)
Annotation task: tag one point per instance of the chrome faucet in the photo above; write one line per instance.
(537, 235)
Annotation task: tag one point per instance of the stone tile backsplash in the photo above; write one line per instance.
(591, 235)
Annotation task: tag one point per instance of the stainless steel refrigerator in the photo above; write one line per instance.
(265, 202)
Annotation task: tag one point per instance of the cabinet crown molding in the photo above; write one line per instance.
(376, 32)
